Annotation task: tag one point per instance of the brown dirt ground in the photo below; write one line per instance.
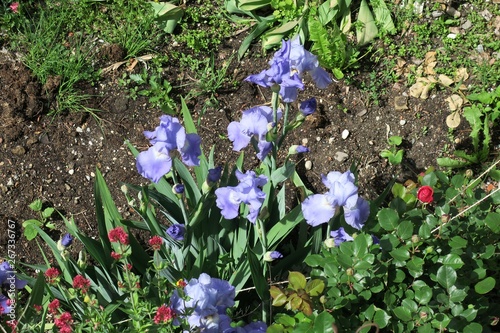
(55, 158)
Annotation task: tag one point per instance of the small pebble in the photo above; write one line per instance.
(341, 156)
(345, 134)
(318, 138)
(330, 141)
(308, 165)
(452, 36)
(79, 129)
(71, 171)
(402, 122)
(18, 150)
(305, 141)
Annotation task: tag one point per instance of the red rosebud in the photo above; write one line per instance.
(425, 194)
(115, 255)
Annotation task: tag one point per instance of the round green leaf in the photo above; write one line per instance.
(423, 293)
(324, 323)
(381, 318)
(405, 230)
(453, 260)
(402, 313)
(473, 328)
(388, 218)
(485, 286)
(446, 276)
(400, 254)
(492, 220)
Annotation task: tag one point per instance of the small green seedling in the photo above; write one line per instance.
(30, 232)
(394, 155)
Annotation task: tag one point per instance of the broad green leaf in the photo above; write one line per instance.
(388, 219)
(485, 286)
(383, 16)
(400, 254)
(275, 36)
(451, 163)
(457, 242)
(360, 246)
(402, 313)
(457, 295)
(446, 276)
(453, 260)
(258, 278)
(473, 328)
(167, 15)
(297, 280)
(405, 230)
(315, 287)
(423, 293)
(30, 231)
(367, 30)
(415, 266)
(36, 205)
(278, 296)
(381, 318)
(249, 5)
(492, 220)
(324, 323)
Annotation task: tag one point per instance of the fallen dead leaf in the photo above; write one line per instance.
(421, 88)
(130, 67)
(445, 80)
(455, 102)
(430, 62)
(461, 75)
(453, 120)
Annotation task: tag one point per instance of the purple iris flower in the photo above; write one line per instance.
(67, 240)
(296, 149)
(205, 304)
(320, 208)
(254, 124)
(287, 67)
(304, 61)
(340, 236)
(247, 191)
(177, 231)
(155, 162)
(214, 174)
(280, 73)
(272, 256)
(8, 277)
(308, 107)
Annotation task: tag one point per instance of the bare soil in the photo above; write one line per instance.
(55, 158)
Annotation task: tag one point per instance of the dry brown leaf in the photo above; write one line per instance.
(133, 63)
(453, 120)
(455, 102)
(445, 80)
(461, 75)
(421, 88)
(430, 62)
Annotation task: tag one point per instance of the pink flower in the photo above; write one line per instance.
(14, 6)
(164, 314)
(51, 275)
(115, 255)
(118, 235)
(79, 282)
(64, 323)
(425, 194)
(54, 306)
(156, 242)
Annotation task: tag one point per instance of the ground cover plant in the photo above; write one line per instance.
(208, 244)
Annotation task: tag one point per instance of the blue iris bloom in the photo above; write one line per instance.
(247, 191)
(340, 236)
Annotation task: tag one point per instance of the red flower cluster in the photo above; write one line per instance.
(156, 242)
(118, 235)
(12, 324)
(64, 322)
(51, 275)
(79, 282)
(164, 314)
(115, 255)
(181, 283)
(425, 194)
(54, 306)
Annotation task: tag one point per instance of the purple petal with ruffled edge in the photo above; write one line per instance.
(155, 162)
(340, 236)
(356, 212)
(335, 176)
(170, 132)
(339, 193)
(228, 201)
(177, 231)
(308, 107)
(317, 209)
(191, 150)
(236, 135)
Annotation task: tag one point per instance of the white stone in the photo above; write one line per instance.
(345, 134)
(308, 165)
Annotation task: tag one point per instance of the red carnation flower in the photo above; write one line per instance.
(54, 306)
(425, 194)
(64, 322)
(118, 235)
(79, 282)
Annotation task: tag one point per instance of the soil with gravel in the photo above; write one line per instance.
(55, 158)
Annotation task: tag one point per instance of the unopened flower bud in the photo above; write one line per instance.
(124, 189)
(415, 239)
(329, 242)
(308, 107)
(469, 173)
(271, 256)
(82, 260)
(445, 218)
(178, 190)
(213, 177)
(429, 249)
(322, 299)
(296, 149)
(349, 271)
(64, 242)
